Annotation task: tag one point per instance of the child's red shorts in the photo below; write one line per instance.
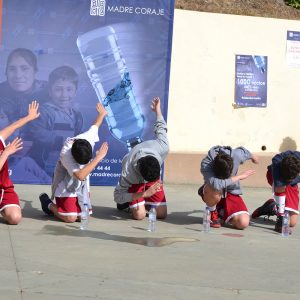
(8, 198)
(292, 195)
(68, 206)
(157, 199)
(231, 206)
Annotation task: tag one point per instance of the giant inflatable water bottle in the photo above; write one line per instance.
(106, 68)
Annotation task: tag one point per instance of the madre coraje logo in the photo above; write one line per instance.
(98, 8)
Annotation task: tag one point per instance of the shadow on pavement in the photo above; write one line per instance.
(143, 241)
(177, 218)
(30, 212)
(184, 218)
(109, 213)
(264, 223)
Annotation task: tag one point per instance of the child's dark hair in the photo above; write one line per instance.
(64, 73)
(27, 54)
(82, 151)
(290, 167)
(222, 165)
(149, 168)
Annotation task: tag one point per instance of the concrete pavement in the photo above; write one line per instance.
(116, 258)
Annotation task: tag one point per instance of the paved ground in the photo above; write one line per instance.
(44, 259)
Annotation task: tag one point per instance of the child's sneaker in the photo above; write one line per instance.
(45, 201)
(214, 219)
(123, 206)
(267, 209)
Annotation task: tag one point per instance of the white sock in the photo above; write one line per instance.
(280, 201)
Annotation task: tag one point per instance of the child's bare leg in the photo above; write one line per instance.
(12, 215)
(138, 212)
(240, 221)
(211, 196)
(293, 219)
(67, 219)
(161, 211)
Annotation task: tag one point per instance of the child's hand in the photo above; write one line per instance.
(153, 189)
(101, 110)
(14, 146)
(33, 110)
(246, 174)
(255, 159)
(155, 105)
(101, 153)
(101, 114)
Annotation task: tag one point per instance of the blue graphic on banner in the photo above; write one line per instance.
(251, 80)
(293, 48)
(293, 35)
(70, 54)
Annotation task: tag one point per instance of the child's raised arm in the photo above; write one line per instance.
(10, 149)
(32, 114)
(155, 106)
(101, 114)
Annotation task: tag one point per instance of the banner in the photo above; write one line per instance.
(293, 48)
(251, 80)
(70, 54)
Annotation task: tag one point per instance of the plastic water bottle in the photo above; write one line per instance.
(259, 62)
(152, 219)
(110, 78)
(285, 224)
(206, 220)
(85, 213)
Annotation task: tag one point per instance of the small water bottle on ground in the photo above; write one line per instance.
(206, 220)
(285, 224)
(85, 213)
(152, 219)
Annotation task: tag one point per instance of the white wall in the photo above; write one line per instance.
(202, 82)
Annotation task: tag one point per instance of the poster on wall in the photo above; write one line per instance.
(251, 80)
(69, 55)
(293, 48)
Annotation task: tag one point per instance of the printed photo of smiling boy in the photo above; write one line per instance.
(58, 120)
